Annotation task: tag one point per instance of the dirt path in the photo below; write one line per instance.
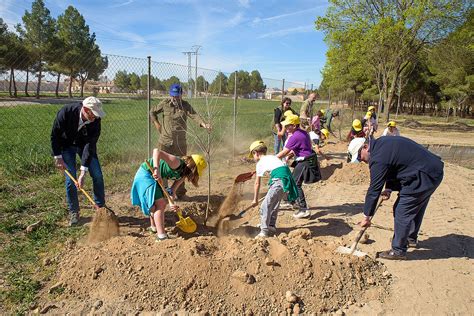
(238, 275)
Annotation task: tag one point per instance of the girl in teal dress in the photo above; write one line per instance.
(147, 194)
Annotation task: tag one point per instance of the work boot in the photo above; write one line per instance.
(412, 243)
(74, 219)
(391, 255)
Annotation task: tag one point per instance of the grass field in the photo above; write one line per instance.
(32, 190)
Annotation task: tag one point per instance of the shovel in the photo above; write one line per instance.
(185, 224)
(105, 224)
(244, 177)
(352, 250)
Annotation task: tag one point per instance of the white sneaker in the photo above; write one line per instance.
(285, 205)
(302, 213)
(261, 235)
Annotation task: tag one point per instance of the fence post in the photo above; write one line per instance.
(149, 107)
(282, 89)
(235, 115)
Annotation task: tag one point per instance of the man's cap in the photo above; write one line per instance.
(357, 125)
(94, 105)
(392, 124)
(291, 119)
(176, 90)
(370, 108)
(256, 145)
(323, 112)
(368, 115)
(354, 147)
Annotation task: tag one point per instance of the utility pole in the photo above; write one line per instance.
(196, 52)
(189, 72)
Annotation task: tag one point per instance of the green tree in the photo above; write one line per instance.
(158, 84)
(202, 84)
(388, 34)
(243, 83)
(92, 67)
(82, 57)
(38, 32)
(168, 82)
(256, 82)
(219, 84)
(13, 57)
(122, 81)
(452, 63)
(135, 82)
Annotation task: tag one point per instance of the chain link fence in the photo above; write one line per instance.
(238, 105)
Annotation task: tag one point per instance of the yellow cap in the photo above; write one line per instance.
(368, 115)
(200, 162)
(323, 112)
(291, 119)
(287, 112)
(357, 125)
(370, 108)
(391, 124)
(255, 145)
(325, 132)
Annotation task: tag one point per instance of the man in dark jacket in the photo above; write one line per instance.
(76, 131)
(405, 166)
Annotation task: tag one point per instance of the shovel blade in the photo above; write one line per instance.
(186, 224)
(348, 251)
(244, 177)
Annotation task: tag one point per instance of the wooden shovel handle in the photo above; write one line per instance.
(170, 201)
(361, 232)
(77, 185)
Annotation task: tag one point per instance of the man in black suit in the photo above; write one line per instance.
(405, 166)
(76, 131)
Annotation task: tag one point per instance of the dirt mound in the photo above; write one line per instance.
(212, 275)
(410, 123)
(104, 226)
(352, 173)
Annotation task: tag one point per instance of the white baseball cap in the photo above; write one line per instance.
(354, 147)
(94, 105)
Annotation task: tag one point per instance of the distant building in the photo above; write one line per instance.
(272, 93)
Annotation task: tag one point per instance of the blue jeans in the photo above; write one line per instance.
(277, 142)
(69, 157)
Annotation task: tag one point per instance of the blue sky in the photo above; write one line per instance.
(276, 37)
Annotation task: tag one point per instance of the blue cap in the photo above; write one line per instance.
(176, 90)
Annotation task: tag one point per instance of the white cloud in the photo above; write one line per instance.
(122, 4)
(284, 32)
(244, 3)
(7, 14)
(258, 20)
(235, 20)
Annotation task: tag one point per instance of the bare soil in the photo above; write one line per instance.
(201, 273)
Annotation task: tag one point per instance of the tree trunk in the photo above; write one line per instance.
(27, 79)
(38, 88)
(57, 85)
(83, 82)
(69, 89)
(15, 91)
(10, 83)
